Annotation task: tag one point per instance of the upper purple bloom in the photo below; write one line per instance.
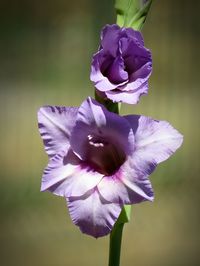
(100, 161)
(122, 66)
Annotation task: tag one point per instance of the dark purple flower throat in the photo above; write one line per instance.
(104, 156)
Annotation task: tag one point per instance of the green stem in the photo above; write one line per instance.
(116, 236)
(115, 245)
(110, 106)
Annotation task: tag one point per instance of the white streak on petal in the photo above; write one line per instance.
(55, 125)
(127, 186)
(56, 172)
(93, 215)
(81, 181)
(155, 140)
(65, 176)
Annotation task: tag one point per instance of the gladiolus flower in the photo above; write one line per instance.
(100, 161)
(122, 66)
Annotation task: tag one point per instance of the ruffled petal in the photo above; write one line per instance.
(105, 85)
(101, 61)
(116, 72)
(121, 64)
(94, 119)
(93, 214)
(127, 96)
(55, 125)
(155, 140)
(136, 35)
(109, 39)
(139, 77)
(138, 63)
(132, 47)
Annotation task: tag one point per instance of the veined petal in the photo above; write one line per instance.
(55, 125)
(94, 119)
(155, 140)
(93, 214)
(67, 176)
(113, 190)
(126, 186)
(56, 172)
(81, 182)
(136, 179)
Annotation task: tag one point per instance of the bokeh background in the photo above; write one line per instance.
(45, 54)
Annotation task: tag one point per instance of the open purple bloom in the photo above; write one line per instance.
(100, 161)
(121, 68)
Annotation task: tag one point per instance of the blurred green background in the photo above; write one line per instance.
(45, 54)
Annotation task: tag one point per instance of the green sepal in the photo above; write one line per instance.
(125, 215)
(132, 13)
(110, 105)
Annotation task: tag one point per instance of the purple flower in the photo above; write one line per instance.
(100, 161)
(122, 66)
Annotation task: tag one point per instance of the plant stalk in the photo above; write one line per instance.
(115, 245)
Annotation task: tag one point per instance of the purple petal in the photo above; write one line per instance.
(137, 60)
(94, 215)
(136, 179)
(55, 125)
(56, 172)
(81, 182)
(66, 176)
(110, 35)
(130, 97)
(94, 119)
(139, 77)
(105, 85)
(121, 64)
(155, 140)
(131, 47)
(127, 186)
(116, 72)
(136, 35)
(98, 67)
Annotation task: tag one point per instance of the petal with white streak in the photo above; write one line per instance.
(93, 214)
(66, 176)
(155, 141)
(55, 125)
(127, 185)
